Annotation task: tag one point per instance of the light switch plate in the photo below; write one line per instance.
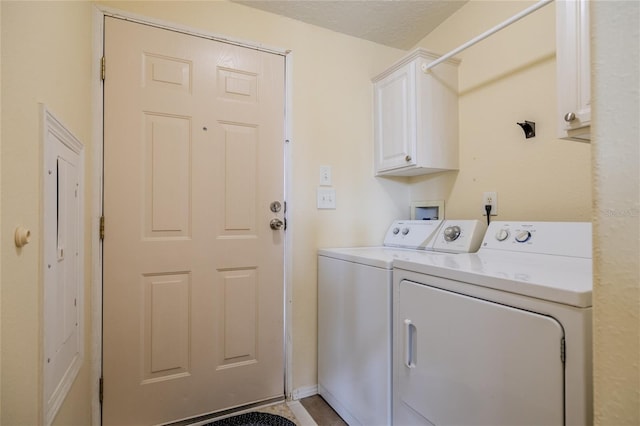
(326, 198)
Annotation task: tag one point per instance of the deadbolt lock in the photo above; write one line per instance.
(275, 206)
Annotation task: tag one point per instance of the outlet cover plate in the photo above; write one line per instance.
(325, 175)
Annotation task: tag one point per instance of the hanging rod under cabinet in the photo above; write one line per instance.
(517, 17)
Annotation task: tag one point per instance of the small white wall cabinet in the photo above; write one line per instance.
(416, 117)
(573, 70)
(62, 256)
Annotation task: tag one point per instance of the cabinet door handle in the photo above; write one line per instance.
(407, 158)
(569, 117)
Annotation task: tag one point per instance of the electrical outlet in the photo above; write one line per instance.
(490, 198)
(325, 175)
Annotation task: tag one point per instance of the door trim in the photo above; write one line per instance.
(97, 97)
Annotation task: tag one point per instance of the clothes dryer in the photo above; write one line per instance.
(499, 337)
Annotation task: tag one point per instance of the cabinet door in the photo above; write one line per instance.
(573, 69)
(466, 361)
(395, 120)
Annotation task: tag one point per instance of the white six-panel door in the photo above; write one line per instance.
(193, 274)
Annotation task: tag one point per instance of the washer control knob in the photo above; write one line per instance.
(405, 231)
(451, 233)
(523, 236)
(395, 231)
(502, 234)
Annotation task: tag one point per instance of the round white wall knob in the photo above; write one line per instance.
(22, 236)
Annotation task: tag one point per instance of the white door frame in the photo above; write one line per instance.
(96, 208)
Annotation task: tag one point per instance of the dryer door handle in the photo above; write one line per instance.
(410, 335)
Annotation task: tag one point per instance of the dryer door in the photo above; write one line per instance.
(461, 360)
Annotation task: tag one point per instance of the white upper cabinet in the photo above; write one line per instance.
(573, 70)
(416, 117)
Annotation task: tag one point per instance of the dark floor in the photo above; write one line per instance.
(321, 412)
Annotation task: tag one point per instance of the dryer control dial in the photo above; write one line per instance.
(502, 234)
(523, 236)
(451, 233)
(405, 231)
(396, 231)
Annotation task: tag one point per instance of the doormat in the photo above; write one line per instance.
(253, 418)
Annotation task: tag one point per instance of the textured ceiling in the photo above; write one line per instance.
(395, 23)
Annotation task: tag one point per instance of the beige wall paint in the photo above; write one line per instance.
(332, 125)
(508, 78)
(45, 58)
(616, 211)
(0, 215)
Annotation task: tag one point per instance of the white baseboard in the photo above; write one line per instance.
(304, 392)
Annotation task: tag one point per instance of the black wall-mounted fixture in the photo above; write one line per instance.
(529, 128)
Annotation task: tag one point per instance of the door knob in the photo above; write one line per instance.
(276, 224)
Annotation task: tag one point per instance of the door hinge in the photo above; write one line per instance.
(563, 350)
(101, 390)
(101, 228)
(103, 68)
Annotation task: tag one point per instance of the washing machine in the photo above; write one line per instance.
(354, 313)
(497, 337)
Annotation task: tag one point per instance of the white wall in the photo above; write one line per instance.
(508, 78)
(45, 58)
(0, 216)
(616, 211)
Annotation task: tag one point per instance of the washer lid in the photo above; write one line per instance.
(380, 257)
(373, 256)
(561, 279)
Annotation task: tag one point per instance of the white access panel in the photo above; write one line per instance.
(354, 340)
(63, 183)
(460, 360)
